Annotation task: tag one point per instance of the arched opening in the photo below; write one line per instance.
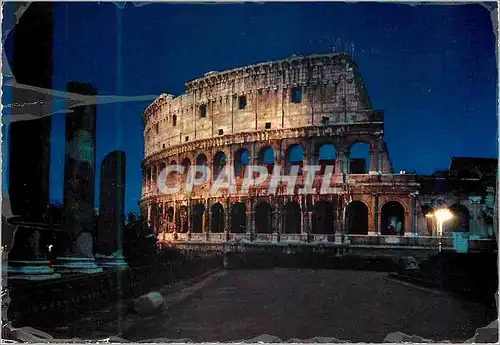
(263, 218)
(186, 164)
(356, 221)
(325, 156)
(161, 167)
(460, 220)
(241, 161)
(170, 214)
(238, 218)
(171, 178)
(197, 223)
(182, 219)
(293, 218)
(266, 158)
(393, 219)
(323, 218)
(201, 161)
(359, 158)
(219, 163)
(155, 217)
(294, 156)
(217, 225)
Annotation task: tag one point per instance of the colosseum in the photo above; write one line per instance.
(282, 115)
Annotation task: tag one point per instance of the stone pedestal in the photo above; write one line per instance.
(31, 270)
(113, 261)
(75, 265)
(80, 260)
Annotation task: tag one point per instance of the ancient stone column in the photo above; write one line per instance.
(208, 219)
(111, 211)
(228, 219)
(376, 213)
(29, 145)
(78, 204)
(250, 218)
(413, 216)
(29, 141)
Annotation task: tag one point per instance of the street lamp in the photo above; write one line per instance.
(441, 215)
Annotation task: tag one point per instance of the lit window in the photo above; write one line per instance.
(242, 102)
(203, 111)
(296, 95)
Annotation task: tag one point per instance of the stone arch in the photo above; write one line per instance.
(186, 164)
(238, 218)
(324, 155)
(263, 218)
(241, 161)
(161, 166)
(294, 155)
(323, 218)
(359, 157)
(266, 158)
(182, 219)
(356, 221)
(219, 162)
(201, 160)
(217, 225)
(197, 221)
(292, 218)
(171, 178)
(460, 220)
(392, 218)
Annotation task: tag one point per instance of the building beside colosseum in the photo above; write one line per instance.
(302, 111)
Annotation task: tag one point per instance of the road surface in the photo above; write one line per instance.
(303, 303)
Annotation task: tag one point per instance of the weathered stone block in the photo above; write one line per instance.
(149, 303)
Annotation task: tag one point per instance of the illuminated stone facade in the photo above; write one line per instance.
(279, 113)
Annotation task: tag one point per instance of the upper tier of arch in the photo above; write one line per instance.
(300, 91)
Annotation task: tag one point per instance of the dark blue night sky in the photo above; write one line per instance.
(430, 68)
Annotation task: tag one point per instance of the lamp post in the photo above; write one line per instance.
(441, 215)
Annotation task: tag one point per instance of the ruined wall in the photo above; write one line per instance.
(329, 89)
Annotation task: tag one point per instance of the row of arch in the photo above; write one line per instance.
(323, 219)
(324, 155)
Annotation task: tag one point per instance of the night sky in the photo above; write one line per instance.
(430, 68)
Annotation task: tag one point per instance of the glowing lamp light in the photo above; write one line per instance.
(443, 215)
